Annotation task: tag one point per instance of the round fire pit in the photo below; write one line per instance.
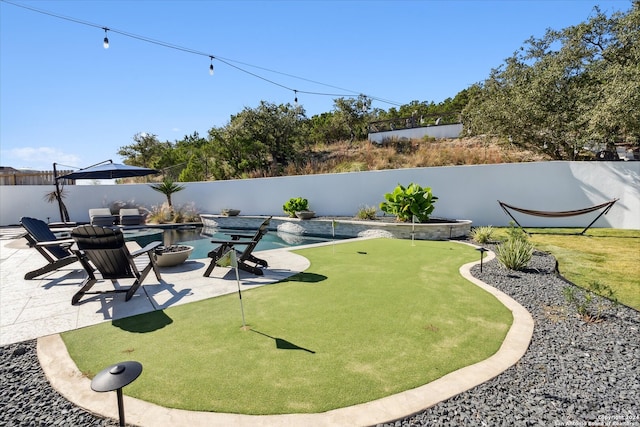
(170, 256)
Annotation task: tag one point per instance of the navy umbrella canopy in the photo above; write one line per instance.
(102, 170)
(109, 170)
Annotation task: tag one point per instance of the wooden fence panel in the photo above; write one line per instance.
(32, 178)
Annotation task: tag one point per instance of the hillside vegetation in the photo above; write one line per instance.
(573, 94)
(366, 156)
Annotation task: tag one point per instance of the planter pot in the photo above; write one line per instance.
(230, 212)
(305, 214)
(173, 255)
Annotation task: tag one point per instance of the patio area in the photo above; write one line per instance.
(42, 306)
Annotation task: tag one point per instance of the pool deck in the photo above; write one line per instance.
(41, 309)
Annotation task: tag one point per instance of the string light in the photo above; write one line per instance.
(227, 62)
(296, 98)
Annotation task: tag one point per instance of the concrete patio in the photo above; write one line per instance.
(42, 306)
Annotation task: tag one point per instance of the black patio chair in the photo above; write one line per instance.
(104, 249)
(246, 260)
(57, 252)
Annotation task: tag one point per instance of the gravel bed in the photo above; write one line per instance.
(573, 374)
(27, 398)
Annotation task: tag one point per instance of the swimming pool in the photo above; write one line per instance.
(200, 238)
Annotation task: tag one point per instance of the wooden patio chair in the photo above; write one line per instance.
(103, 249)
(56, 252)
(246, 260)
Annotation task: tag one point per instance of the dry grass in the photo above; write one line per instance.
(364, 155)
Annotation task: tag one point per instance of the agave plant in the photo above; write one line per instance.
(409, 202)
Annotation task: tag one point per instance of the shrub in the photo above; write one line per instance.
(162, 214)
(515, 254)
(516, 233)
(366, 212)
(412, 201)
(589, 306)
(295, 204)
(482, 234)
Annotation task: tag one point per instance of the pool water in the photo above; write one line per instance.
(200, 238)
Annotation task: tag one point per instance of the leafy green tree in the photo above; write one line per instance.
(146, 151)
(278, 130)
(327, 128)
(233, 153)
(354, 115)
(566, 90)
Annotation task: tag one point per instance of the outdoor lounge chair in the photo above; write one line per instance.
(131, 217)
(102, 216)
(55, 251)
(104, 248)
(245, 256)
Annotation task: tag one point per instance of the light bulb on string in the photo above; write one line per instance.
(295, 100)
(105, 42)
(211, 66)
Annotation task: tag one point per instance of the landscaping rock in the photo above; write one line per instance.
(574, 373)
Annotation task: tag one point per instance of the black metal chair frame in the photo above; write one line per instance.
(41, 238)
(104, 249)
(243, 257)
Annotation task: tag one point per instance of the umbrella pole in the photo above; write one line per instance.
(58, 195)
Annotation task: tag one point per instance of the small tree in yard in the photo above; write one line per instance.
(168, 187)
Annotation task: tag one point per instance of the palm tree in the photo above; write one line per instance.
(54, 196)
(168, 187)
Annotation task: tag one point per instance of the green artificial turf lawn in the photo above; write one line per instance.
(368, 319)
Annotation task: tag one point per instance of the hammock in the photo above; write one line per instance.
(560, 214)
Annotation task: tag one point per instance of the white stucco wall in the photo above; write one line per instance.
(439, 132)
(465, 192)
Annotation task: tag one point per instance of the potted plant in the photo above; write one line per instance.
(170, 256)
(298, 207)
(410, 202)
(230, 212)
(305, 214)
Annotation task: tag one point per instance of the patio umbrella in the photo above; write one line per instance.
(102, 170)
(109, 170)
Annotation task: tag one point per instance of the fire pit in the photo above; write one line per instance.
(170, 256)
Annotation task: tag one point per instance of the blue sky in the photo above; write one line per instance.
(66, 99)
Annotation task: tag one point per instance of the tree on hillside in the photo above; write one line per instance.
(233, 153)
(277, 129)
(575, 87)
(354, 115)
(146, 151)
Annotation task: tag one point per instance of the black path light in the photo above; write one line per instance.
(482, 251)
(114, 378)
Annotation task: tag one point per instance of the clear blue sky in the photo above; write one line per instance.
(66, 99)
